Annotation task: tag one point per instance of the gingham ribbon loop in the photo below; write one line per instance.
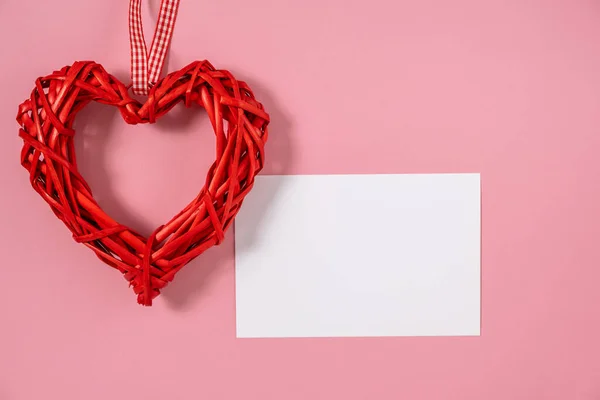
(146, 69)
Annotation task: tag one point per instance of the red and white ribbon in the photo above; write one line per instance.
(145, 70)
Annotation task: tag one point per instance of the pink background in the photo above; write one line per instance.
(507, 88)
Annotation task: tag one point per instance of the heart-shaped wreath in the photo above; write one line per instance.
(240, 125)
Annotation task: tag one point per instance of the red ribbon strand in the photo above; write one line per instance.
(146, 67)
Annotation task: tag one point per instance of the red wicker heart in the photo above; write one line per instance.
(240, 124)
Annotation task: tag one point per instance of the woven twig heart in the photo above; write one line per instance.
(46, 121)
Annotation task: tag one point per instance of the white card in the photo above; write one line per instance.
(359, 255)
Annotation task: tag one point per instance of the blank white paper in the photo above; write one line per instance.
(359, 255)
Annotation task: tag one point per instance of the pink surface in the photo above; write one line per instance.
(510, 89)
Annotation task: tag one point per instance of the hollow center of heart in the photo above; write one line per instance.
(142, 175)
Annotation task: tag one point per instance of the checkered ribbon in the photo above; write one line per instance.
(145, 69)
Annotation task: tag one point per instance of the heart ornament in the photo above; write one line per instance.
(147, 263)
